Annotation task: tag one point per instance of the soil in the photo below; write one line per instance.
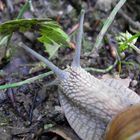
(32, 111)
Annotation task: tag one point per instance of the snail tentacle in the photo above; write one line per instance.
(61, 74)
(76, 59)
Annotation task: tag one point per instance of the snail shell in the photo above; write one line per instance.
(125, 125)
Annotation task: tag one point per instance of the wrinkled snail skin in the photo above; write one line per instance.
(125, 125)
(89, 104)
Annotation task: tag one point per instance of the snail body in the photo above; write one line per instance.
(89, 104)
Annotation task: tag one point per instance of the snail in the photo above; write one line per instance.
(89, 104)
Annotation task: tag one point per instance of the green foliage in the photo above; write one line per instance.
(18, 25)
(51, 48)
(3, 40)
(127, 41)
(50, 32)
(124, 41)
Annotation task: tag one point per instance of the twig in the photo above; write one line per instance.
(107, 24)
(134, 24)
(10, 5)
(31, 6)
(135, 48)
(32, 107)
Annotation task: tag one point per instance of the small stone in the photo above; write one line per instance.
(69, 8)
(58, 108)
(134, 83)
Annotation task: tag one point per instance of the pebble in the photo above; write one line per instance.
(134, 83)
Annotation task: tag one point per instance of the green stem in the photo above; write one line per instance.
(135, 48)
(23, 9)
(128, 63)
(27, 81)
(102, 70)
(107, 24)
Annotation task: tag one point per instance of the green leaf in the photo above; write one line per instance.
(123, 47)
(21, 25)
(3, 40)
(51, 49)
(50, 32)
(126, 40)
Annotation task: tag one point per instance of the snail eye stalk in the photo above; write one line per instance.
(61, 74)
(76, 59)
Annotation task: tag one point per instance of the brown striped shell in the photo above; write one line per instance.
(125, 125)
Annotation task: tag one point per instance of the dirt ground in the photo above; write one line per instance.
(32, 111)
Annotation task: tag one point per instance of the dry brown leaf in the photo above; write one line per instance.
(64, 132)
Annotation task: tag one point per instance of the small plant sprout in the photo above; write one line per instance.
(122, 41)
